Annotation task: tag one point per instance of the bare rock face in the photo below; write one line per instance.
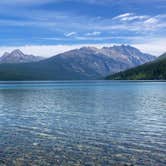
(17, 56)
(101, 62)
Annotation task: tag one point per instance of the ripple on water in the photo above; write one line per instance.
(88, 123)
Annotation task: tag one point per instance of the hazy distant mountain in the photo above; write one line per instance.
(155, 70)
(83, 63)
(162, 57)
(17, 56)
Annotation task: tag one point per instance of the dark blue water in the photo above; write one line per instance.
(83, 123)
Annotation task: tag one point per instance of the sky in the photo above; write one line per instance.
(49, 27)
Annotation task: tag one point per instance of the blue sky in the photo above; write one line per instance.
(47, 27)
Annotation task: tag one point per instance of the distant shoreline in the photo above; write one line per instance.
(70, 81)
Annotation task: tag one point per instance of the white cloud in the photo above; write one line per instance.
(130, 17)
(121, 16)
(95, 33)
(56, 21)
(154, 46)
(39, 50)
(48, 50)
(70, 34)
(151, 21)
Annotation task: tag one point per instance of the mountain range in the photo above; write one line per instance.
(16, 56)
(83, 63)
(155, 70)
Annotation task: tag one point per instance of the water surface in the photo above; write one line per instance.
(83, 123)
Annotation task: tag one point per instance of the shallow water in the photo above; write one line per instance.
(83, 123)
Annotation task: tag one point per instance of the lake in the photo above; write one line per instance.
(83, 123)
